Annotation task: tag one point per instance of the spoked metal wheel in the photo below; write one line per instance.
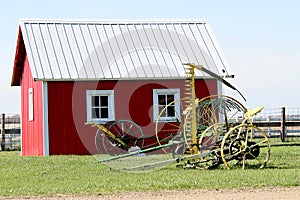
(127, 134)
(247, 146)
(169, 126)
(217, 109)
(211, 137)
(216, 114)
(100, 137)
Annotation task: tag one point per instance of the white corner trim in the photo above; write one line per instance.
(219, 87)
(45, 119)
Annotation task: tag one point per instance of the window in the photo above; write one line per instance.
(30, 104)
(100, 105)
(162, 98)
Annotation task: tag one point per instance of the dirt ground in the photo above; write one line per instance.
(269, 193)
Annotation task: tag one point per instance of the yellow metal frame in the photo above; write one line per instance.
(193, 105)
(247, 123)
(109, 133)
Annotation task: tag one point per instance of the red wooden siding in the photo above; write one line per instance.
(68, 133)
(32, 131)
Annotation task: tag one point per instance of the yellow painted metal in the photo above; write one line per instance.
(247, 127)
(194, 125)
(109, 133)
(250, 113)
(191, 75)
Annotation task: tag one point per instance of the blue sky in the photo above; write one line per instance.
(261, 39)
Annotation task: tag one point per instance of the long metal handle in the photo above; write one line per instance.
(216, 76)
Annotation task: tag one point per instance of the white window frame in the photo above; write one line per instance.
(30, 104)
(176, 93)
(111, 105)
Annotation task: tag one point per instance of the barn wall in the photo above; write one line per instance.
(32, 131)
(63, 136)
(68, 133)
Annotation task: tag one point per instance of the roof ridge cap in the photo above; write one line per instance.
(110, 21)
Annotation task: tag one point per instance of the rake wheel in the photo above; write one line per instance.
(127, 131)
(246, 144)
(170, 128)
(217, 113)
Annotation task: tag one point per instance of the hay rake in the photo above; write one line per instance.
(207, 134)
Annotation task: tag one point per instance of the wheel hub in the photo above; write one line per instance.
(238, 149)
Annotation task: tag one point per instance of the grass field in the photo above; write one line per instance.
(83, 175)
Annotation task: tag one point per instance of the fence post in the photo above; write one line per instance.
(282, 135)
(3, 133)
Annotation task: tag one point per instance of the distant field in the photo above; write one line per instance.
(83, 175)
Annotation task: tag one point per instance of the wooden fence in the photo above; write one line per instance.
(279, 122)
(10, 137)
(276, 122)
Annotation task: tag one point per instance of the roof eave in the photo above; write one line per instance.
(19, 60)
(119, 79)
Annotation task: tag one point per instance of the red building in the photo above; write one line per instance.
(73, 72)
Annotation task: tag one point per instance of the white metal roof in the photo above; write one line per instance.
(69, 49)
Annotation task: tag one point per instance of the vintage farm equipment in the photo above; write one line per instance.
(209, 132)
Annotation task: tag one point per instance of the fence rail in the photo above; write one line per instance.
(280, 122)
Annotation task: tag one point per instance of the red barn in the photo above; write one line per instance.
(73, 72)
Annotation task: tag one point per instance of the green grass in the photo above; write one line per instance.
(83, 175)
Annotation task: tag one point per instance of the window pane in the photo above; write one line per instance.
(95, 112)
(104, 101)
(104, 113)
(162, 100)
(95, 101)
(160, 108)
(171, 111)
(170, 98)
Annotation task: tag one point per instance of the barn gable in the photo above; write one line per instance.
(93, 50)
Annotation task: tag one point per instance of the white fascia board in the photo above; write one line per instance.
(217, 44)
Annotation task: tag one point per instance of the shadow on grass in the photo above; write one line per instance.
(285, 144)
